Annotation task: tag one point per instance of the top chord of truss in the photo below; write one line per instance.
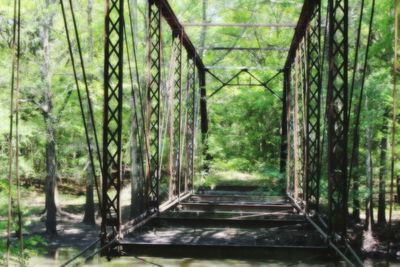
(240, 25)
(212, 67)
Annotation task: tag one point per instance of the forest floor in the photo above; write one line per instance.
(72, 234)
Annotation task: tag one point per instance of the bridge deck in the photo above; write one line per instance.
(226, 225)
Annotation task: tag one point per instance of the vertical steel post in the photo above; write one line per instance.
(112, 125)
(284, 120)
(290, 169)
(190, 123)
(177, 112)
(297, 155)
(313, 110)
(153, 104)
(301, 114)
(337, 115)
(204, 118)
(203, 103)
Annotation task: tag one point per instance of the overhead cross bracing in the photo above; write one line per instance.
(258, 29)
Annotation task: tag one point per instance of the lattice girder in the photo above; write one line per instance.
(312, 164)
(190, 123)
(337, 115)
(177, 114)
(153, 105)
(112, 128)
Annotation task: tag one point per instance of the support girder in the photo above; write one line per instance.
(177, 114)
(112, 125)
(313, 116)
(190, 122)
(153, 106)
(337, 116)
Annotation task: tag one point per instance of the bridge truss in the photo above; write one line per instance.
(304, 112)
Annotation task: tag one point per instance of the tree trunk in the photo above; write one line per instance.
(137, 185)
(137, 171)
(48, 116)
(369, 209)
(51, 178)
(382, 174)
(89, 217)
(356, 185)
(398, 188)
(356, 180)
(170, 125)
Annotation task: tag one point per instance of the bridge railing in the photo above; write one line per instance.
(315, 112)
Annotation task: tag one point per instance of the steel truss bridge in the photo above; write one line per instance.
(232, 224)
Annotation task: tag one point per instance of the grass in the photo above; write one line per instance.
(267, 181)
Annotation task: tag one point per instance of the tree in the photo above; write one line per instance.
(89, 217)
(137, 174)
(46, 105)
(382, 172)
(369, 209)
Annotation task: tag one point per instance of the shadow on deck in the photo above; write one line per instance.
(228, 225)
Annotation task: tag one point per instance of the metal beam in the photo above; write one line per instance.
(112, 124)
(225, 222)
(246, 207)
(222, 48)
(259, 82)
(284, 120)
(337, 115)
(177, 116)
(204, 119)
(224, 251)
(169, 15)
(203, 103)
(301, 28)
(190, 123)
(225, 83)
(240, 25)
(153, 106)
(313, 112)
(241, 68)
(236, 76)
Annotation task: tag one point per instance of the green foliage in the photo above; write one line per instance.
(33, 246)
